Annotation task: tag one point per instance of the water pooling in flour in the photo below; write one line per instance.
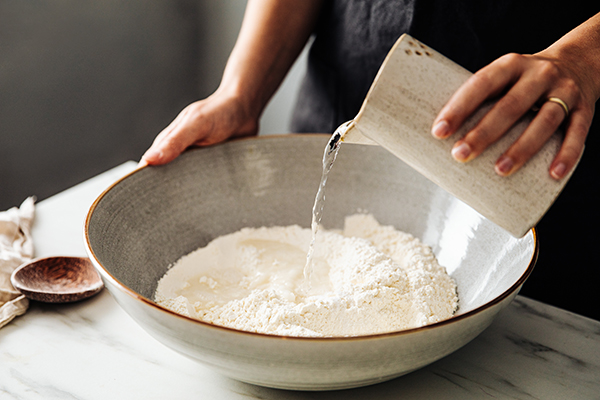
(329, 155)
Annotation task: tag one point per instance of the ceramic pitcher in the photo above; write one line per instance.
(411, 87)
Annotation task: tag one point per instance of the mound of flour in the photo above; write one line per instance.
(367, 279)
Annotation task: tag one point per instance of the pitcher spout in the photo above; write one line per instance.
(351, 135)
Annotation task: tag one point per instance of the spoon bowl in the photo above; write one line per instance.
(57, 279)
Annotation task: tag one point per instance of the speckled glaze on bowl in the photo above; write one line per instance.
(145, 222)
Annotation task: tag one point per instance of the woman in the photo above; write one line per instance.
(527, 53)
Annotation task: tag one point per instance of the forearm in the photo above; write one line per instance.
(272, 35)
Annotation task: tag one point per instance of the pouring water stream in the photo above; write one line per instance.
(329, 156)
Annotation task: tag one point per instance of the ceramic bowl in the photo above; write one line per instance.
(146, 221)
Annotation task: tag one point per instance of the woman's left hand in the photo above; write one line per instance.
(561, 80)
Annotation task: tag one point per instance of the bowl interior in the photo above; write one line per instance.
(149, 219)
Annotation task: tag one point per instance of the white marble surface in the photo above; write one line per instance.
(93, 350)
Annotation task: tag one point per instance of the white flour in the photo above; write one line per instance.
(368, 279)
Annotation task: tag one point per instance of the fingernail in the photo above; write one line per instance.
(558, 171)
(461, 152)
(153, 155)
(504, 165)
(441, 129)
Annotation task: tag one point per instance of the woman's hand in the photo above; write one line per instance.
(567, 71)
(205, 122)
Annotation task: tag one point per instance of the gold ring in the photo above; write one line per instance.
(561, 103)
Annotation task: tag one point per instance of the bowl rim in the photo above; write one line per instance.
(125, 289)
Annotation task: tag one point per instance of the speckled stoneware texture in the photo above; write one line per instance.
(410, 89)
(144, 223)
(57, 279)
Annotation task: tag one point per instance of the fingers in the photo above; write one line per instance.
(548, 119)
(543, 125)
(202, 123)
(171, 142)
(505, 113)
(573, 144)
(522, 81)
(486, 83)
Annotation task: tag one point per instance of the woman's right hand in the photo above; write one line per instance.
(563, 80)
(202, 123)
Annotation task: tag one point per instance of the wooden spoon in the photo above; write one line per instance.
(57, 279)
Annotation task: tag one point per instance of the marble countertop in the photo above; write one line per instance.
(94, 350)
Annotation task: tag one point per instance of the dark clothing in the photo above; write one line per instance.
(354, 36)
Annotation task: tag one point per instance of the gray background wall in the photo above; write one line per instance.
(86, 85)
